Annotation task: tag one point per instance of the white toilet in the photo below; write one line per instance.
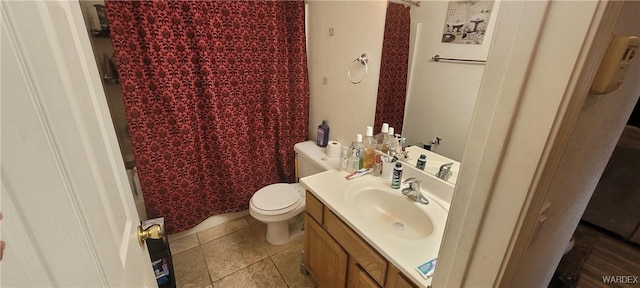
(280, 205)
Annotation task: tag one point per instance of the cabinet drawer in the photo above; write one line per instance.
(314, 207)
(370, 261)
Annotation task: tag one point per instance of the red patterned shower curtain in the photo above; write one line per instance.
(392, 87)
(216, 95)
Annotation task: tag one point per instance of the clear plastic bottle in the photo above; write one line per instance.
(369, 144)
(344, 158)
(360, 151)
(381, 138)
(355, 160)
(377, 167)
(392, 143)
(351, 157)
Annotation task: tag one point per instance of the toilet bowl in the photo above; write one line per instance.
(277, 205)
(281, 205)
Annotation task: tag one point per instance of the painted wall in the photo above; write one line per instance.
(525, 97)
(591, 143)
(358, 28)
(441, 96)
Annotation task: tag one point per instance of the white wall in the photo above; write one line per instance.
(528, 151)
(591, 143)
(358, 28)
(441, 96)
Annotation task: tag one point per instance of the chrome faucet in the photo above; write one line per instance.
(445, 171)
(413, 191)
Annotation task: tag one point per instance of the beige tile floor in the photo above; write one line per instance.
(235, 254)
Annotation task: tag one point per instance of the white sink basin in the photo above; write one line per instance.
(393, 213)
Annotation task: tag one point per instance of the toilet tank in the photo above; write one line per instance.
(313, 159)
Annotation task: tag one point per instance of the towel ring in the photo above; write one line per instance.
(363, 59)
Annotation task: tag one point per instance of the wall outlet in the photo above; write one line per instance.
(324, 80)
(330, 32)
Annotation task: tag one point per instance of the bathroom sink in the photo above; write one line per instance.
(405, 232)
(393, 213)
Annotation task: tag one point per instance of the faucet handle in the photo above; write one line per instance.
(413, 182)
(410, 180)
(445, 171)
(446, 166)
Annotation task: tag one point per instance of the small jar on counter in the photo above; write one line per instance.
(422, 162)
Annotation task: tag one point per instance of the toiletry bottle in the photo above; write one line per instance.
(360, 151)
(356, 151)
(323, 134)
(393, 143)
(422, 161)
(381, 138)
(377, 167)
(435, 142)
(397, 176)
(344, 158)
(352, 157)
(369, 149)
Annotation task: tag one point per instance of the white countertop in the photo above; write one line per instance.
(434, 161)
(406, 253)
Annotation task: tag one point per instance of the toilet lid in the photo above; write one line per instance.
(275, 197)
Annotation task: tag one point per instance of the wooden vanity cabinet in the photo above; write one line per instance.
(325, 259)
(358, 278)
(396, 279)
(336, 256)
(314, 207)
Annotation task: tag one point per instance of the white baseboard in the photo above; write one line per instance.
(208, 223)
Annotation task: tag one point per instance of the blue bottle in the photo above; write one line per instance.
(323, 134)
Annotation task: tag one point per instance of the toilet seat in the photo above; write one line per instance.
(276, 199)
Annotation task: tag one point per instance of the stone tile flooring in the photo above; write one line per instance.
(235, 254)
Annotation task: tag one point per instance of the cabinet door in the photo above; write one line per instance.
(395, 279)
(361, 279)
(361, 253)
(324, 257)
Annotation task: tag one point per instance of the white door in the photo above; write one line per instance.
(69, 215)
